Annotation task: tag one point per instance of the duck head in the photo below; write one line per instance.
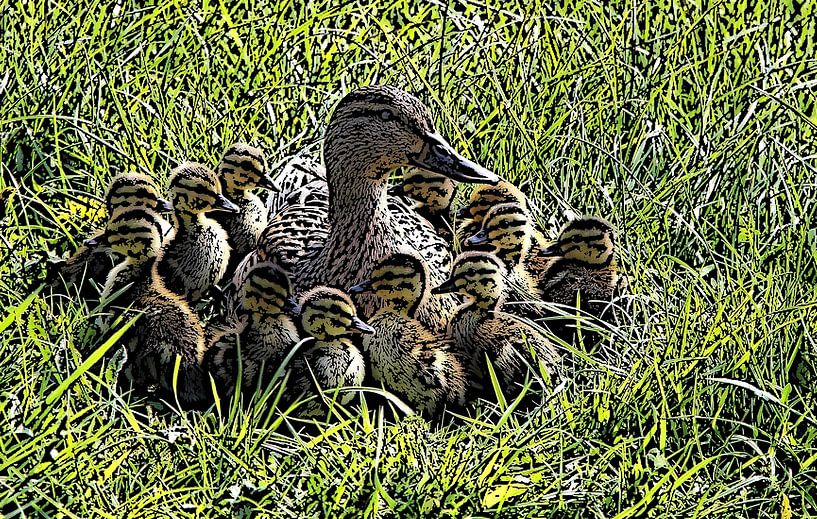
(399, 279)
(244, 167)
(506, 231)
(329, 314)
(436, 192)
(267, 291)
(478, 276)
(588, 240)
(134, 190)
(133, 232)
(195, 189)
(379, 128)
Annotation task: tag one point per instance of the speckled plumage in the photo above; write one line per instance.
(373, 131)
(405, 356)
(196, 257)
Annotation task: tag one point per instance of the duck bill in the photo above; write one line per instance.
(266, 182)
(363, 286)
(164, 206)
(291, 306)
(438, 156)
(479, 238)
(97, 241)
(224, 204)
(551, 250)
(360, 327)
(446, 288)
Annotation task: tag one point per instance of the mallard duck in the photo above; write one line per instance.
(264, 335)
(332, 360)
(433, 195)
(481, 328)
(404, 355)
(242, 169)
(126, 190)
(583, 268)
(196, 257)
(167, 328)
(373, 131)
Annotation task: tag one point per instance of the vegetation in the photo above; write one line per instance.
(690, 125)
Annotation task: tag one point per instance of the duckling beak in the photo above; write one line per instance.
(223, 204)
(164, 206)
(477, 239)
(267, 183)
(363, 286)
(440, 157)
(446, 288)
(359, 326)
(291, 306)
(552, 250)
(97, 241)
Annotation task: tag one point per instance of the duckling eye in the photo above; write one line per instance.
(386, 115)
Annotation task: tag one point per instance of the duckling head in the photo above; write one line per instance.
(478, 276)
(135, 190)
(378, 128)
(436, 192)
(133, 232)
(244, 167)
(588, 240)
(506, 231)
(485, 197)
(328, 314)
(399, 279)
(267, 291)
(195, 189)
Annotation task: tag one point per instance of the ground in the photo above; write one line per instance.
(691, 126)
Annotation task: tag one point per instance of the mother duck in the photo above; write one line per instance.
(373, 131)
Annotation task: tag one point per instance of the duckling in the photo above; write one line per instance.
(404, 355)
(433, 194)
(196, 257)
(481, 328)
(507, 233)
(330, 318)
(373, 131)
(242, 169)
(167, 328)
(126, 190)
(265, 334)
(584, 267)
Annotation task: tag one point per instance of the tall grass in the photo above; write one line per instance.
(691, 125)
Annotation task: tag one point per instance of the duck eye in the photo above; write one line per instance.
(386, 115)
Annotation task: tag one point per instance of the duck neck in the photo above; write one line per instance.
(186, 219)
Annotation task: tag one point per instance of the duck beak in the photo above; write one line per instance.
(363, 286)
(291, 306)
(224, 204)
(97, 241)
(438, 156)
(552, 250)
(267, 183)
(446, 288)
(361, 327)
(477, 239)
(164, 206)
(464, 212)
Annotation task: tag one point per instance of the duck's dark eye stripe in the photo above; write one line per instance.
(247, 165)
(199, 189)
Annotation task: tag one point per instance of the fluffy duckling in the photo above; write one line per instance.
(330, 318)
(167, 327)
(124, 191)
(481, 329)
(583, 266)
(404, 355)
(265, 334)
(373, 131)
(433, 194)
(242, 169)
(196, 258)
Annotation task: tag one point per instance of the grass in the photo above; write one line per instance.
(691, 125)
